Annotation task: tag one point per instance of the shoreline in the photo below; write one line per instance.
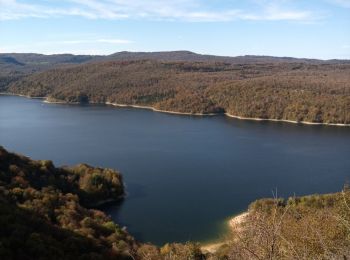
(232, 223)
(285, 121)
(20, 95)
(159, 110)
(183, 113)
(105, 202)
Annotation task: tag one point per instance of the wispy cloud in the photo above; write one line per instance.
(13, 9)
(184, 10)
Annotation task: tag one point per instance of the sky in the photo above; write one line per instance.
(294, 28)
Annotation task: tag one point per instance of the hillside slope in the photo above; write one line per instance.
(295, 91)
(45, 213)
(14, 66)
(309, 227)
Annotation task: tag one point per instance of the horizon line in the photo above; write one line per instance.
(170, 51)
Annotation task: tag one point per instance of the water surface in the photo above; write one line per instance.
(184, 175)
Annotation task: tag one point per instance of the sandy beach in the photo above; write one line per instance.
(159, 110)
(233, 223)
(236, 221)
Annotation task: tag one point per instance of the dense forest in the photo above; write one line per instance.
(45, 213)
(267, 88)
(14, 66)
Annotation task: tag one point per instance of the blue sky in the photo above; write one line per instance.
(298, 28)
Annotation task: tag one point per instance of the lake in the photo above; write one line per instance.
(184, 175)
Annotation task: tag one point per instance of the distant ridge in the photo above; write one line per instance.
(10, 60)
(16, 65)
(192, 56)
(181, 55)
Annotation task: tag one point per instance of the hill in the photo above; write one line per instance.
(297, 90)
(195, 57)
(14, 66)
(308, 227)
(45, 213)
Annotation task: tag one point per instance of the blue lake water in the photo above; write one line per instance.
(184, 175)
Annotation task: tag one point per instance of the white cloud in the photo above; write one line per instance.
(185, 10)
(12, 10)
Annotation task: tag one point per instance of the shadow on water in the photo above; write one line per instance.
(133, 191)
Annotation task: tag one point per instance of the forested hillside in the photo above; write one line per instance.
(14, 66)
(297, 90)
(45, 213)
(309, 227)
